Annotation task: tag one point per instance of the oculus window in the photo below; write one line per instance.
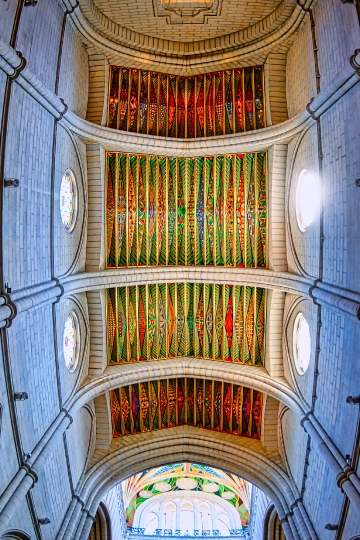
(71, 341)
(307, 199)
(68, 200)
(301, 343)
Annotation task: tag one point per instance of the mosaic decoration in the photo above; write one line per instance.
(158, 321)
(145, 485)
(217, 103)
(166, 403)
(209, 211)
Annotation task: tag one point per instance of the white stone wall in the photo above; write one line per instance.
(79, 442)
(33, 366)
(300, 71)
(259, 505)
(69, 249)
(341, 166)
(73, 80)
(38, 39)
(52, 492)
(9, 466)
(302, 248)
(115, 505)
(293, 442)
(337, 34)
(27, 208)
(322, 500)
(70, 381)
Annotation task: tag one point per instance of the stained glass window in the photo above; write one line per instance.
(68, 200)
(301, 343)
(204, 105)
(209, 211)
(159, 321)
(71, 341)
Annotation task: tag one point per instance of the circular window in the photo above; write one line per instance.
(301, 343)
(71, 341)
(307, 199)
(68, 200)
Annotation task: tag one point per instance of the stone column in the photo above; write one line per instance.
(178, 510)
(12, 498)
(196, 515)
(346, 478)
(86, 528)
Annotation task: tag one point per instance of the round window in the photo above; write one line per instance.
(71, 341)
(301, 343)
(307, 199)
(68, 200)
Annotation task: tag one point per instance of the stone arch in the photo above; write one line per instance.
(243, 375)
(272, 525)
(16, 535)
(138, 452)
(101, 529)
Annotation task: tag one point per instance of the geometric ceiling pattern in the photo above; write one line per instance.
(142, 486)
(207, 211)
(134, 484)
(166, 403)
(159, 321)
(205, 105)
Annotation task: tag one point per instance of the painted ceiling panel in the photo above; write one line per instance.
(158, 321)
(208, 211)
(205, 105)
(166, 403)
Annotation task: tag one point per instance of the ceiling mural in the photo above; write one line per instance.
(165, 403)
(159, 321)
(217, 103)
(139, 488)
(209, 211)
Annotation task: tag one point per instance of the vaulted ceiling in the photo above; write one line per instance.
(186, 21)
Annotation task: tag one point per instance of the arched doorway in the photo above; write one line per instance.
(101, 529)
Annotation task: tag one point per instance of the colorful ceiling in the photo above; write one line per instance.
(133, 485)
(158, 321)
(166, 403)
(217, 103)
(143, 486)
(209, 211)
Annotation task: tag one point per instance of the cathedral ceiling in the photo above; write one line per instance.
(186, 21)
(167, 403)
(189, 36)
(219, 322)
(199, 211)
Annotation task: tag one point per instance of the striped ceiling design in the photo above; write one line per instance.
(159, 321)
(217, 103)
(166, 403)
(209, 211)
